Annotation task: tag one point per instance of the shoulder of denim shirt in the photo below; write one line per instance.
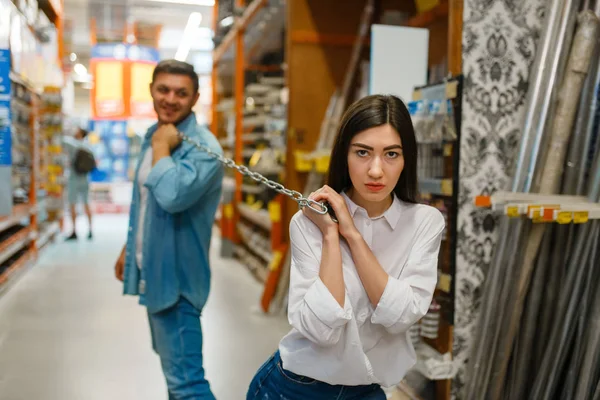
(206, 138)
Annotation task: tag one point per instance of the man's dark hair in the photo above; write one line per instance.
(83, 132)
(177, 67)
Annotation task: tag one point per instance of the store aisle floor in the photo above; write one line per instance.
(66, 333)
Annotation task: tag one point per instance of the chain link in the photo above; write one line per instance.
(276, 186)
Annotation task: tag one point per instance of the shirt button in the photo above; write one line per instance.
(368, 222)
(130, 229)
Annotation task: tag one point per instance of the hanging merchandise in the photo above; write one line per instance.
(430, 323)
(414, 332)
(419, 113)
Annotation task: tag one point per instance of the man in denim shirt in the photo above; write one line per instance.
(176, 192)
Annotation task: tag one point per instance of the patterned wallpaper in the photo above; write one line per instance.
(499, 45)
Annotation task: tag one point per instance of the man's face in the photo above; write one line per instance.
(79, 135)
(173, 97)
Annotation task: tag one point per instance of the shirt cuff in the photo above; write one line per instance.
(322, 303)
(158, 170)
(392, 301)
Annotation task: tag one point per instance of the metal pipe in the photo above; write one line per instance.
(551, 294)
(546, 71)
(582, 318)
(546, 380)
(571, 87)
(594, 190)
(492, 287)
(503, 305)
(579, 148)
(591, 360)
(527, 337)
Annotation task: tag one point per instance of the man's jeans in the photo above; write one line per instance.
(177, 338)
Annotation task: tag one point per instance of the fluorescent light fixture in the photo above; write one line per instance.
(205, 3)
(80, 69)
(191, 29)
(73, 57)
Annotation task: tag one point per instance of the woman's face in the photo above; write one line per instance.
(375, 162)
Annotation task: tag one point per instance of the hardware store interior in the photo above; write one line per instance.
(504, 99)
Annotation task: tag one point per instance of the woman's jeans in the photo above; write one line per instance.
(272, 381)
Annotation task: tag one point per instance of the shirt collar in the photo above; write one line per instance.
(391, 215)
(183, 126)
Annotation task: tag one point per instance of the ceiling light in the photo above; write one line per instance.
(227, 21)
(206, 3)
(73, 57)
(80, 69)
(189, 34)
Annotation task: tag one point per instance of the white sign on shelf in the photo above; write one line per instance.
(399, 58)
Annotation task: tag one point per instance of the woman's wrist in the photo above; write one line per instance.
(331, 236)
(352, 236)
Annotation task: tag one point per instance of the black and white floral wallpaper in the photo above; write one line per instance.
(499, 46)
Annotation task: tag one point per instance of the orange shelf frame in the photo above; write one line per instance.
(427, 18)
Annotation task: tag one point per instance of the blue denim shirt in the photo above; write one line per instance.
(184, 193)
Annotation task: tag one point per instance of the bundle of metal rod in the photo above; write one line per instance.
(545, 73)
(514, 259)
(577, 68)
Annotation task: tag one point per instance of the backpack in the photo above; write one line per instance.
(84, 161)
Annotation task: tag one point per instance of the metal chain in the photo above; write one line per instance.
(278, 187)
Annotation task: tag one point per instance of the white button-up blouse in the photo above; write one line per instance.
(359, 344)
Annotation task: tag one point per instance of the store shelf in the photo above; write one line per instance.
(18, 265)
(19, 213)
(22, 81)
(433, 365)
(439, 187)
(14, 243)
(257, 217)
(256, 242)
(255, 265)
(423, 20)
(229, 182)
(48, 234)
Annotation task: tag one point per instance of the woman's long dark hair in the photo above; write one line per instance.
(370, 112)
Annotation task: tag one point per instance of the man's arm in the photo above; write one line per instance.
(178, 185)
(120, 265)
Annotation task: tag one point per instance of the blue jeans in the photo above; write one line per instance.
(272, 381)
(177, 338)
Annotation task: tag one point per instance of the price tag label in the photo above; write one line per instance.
(447, 187)
(303, 164)
(444, 283)
(564, 217)
(275, 261)
(538, 217)
(447, 149)
(274, 211)
(580, 217)
(512, 211)
(228, 211)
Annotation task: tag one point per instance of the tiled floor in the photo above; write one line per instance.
(66, 333)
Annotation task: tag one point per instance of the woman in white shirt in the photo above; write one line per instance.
(357, 286)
